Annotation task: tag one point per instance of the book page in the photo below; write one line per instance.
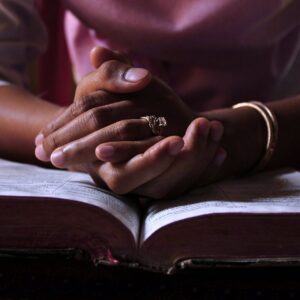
(270, 192)
(25, 180)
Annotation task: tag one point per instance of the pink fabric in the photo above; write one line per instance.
(212, 52)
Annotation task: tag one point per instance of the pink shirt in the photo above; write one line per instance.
(212, 52)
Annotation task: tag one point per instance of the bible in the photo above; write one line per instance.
(243, 220)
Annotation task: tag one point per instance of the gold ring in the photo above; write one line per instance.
(155, 123)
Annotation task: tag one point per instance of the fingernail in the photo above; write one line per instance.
(216, 132)
(105, 151)
(40, 153)
(175, 147)
(39, 139)
(58, 158)
(135, 74)
(220, 158)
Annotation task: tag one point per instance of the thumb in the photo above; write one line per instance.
(99, 55)
(115, 77)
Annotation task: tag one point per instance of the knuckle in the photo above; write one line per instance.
(76, 109)
(108, 69)
(82, 105)
(127, 126)
(84, 100)
(72, 153)
(83, 123)
(95, 118)
(124, 130)
(49, 128)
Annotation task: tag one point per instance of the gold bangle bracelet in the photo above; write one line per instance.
(272, 131)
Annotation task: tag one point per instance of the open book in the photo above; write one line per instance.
(248, 219)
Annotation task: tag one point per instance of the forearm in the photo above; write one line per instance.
(22, 115)
(245, 136)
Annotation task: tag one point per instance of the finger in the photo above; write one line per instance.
(217, 155)
(123, 178)
(87, 95)
(99, 55)
(113, 76)
(83, 150)
(40, 137)
(88, 122)
(201, 143)
(175, 178)
(116, 152)
(196, 135)
(95, 99)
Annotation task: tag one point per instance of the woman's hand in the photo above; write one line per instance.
(95, 109)
(168, 168)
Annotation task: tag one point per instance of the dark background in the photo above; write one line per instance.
(67, 277)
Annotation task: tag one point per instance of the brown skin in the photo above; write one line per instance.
(99, 119)
(243, 140)
(245, 136)
(162, 172)
(89, 114)
(125, 170)
(22, 115)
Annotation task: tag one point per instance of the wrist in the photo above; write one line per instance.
(271, 125)
(244, 139)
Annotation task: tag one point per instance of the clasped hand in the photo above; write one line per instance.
(102, 133)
